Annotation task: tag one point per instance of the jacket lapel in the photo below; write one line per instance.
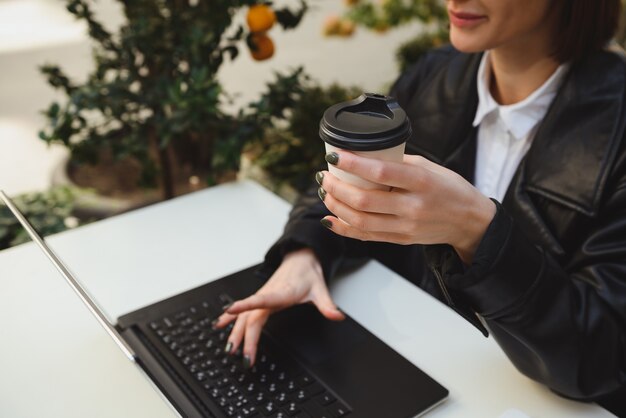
(442, 112)
(576, 143)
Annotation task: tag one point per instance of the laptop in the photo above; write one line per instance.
(306, 366)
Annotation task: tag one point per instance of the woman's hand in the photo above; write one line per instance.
(299, 279)
(426, 204)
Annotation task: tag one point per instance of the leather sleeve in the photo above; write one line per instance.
(562, 326)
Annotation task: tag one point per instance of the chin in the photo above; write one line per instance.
(467, 43)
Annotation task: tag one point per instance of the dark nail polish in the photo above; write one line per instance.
(228, 305)
(229, 347)
(332, 158)
(328, 224)
(246, 362)
(319, 177)
(321, 193)
(214, 323)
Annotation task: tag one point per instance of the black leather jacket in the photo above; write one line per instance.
(549, 277)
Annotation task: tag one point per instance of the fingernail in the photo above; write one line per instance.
(332, 158)
(319, 177)
(328, 224)
(228, 305)
(214, 323)
(246, 361)
(229, 347)
(321, 193)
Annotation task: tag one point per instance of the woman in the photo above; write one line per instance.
(511, 206)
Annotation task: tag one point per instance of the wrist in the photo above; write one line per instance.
(475, 221)
(303, 255)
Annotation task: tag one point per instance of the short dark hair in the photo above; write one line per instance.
(586, 26)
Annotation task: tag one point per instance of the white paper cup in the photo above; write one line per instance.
(372, 126)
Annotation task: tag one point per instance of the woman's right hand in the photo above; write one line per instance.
(299, 279)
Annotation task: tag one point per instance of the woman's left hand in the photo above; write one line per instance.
(426, 204)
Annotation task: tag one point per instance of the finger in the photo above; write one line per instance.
(398, 175)
(323, 301)
(254, 325)
(269, 300)
(419, 161)
(375, 201)
(365, 221)
(236, 334)
(223, 320)
(344, 229)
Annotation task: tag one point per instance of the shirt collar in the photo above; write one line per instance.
(519, 118)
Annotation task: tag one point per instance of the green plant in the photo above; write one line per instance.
(49, 212)
(153, 95)
(381, 16)
(410, 51)
(293, 153)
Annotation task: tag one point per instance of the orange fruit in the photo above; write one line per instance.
(346, 28)
(260, 18)
(381, 27)
(263, 46)
(332, 25)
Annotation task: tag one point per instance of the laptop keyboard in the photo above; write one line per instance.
(276, 386)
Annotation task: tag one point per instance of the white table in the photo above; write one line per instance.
(56, 360)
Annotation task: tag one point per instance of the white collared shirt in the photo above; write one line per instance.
(505, 132)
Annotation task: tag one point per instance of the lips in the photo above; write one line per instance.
(465, 19)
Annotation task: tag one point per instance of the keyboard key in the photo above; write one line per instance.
(268, 408)
(338, 410)
(326, 399)
(230, 410)
(305, 380)
(292, 408)
(291, 386)
(281, 398)
(259, 398)
(301, 396)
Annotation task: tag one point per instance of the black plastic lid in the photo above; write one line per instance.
(368, 123)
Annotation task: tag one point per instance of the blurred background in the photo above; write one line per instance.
(111, 105)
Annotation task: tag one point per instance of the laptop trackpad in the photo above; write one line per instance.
(359, 367)
(313, 338)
